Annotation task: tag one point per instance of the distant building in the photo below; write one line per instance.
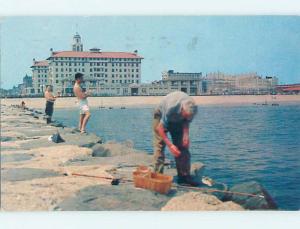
(288, 89)
(27, 86)
(249, 83)
(105, 73)
(191, 83)
(40, 76)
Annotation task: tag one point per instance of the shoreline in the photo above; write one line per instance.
(38, 174)
(135, 101)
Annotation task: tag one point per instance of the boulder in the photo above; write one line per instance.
(82, 140)
(113, 198)
(22, 174)
(98, 150)
(15, 157)
(252, 203)
(196, 201)
(197, 170)
(111, 148)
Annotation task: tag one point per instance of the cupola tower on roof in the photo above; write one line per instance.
(77, 46)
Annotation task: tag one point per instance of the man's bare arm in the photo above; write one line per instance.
(162, 132)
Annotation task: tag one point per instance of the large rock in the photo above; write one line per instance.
(196, 201)
(21, 174)
(82, 140)
(252, 203)
(110, 149)
(98, 150)
(113, 198)
(197, 170)
(15, 157)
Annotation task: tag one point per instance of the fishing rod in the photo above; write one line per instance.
(117, 181)
(114, 181)
(217, 190)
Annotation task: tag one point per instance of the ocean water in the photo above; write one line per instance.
(236, 143)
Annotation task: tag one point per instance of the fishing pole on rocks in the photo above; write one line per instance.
(217, 190)
(117, 181)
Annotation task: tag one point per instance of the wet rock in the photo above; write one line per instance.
(114, 198)
(195, 201)
(57, 124)
(16, 157)
(98, 150)
(117, 149)
(21, 174)
(197, 170)
(252, 203)
(82, 140)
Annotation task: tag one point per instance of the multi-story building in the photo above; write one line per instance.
(27, 87)
(40, 76)
(218, 83)
(191, 83)
(104, 72)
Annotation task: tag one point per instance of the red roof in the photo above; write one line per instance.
(43, 63)
(96, 54)
(290, 87)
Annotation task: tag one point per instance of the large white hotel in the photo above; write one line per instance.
(105, 73)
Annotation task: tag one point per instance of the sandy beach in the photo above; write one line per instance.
(154, 100)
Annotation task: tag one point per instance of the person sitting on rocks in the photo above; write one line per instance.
(83, 103)
(50, 98)
(174, 114)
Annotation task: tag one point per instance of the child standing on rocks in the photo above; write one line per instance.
(83, 103)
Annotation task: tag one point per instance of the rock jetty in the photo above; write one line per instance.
(38, 174)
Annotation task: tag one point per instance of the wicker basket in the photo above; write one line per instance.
(152, 181)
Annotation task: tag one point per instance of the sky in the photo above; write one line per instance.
(268, 45)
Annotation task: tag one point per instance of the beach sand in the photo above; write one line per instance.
(145, 101)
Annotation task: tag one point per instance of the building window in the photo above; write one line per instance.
(137, 81)
(137, 65)
(112, 81)
(113, 76)
(132, 70)
(125, 70)
(82, 70)
(137, 70)
(137, 76)
(56, 81)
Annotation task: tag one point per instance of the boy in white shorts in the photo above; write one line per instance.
(83, 103)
